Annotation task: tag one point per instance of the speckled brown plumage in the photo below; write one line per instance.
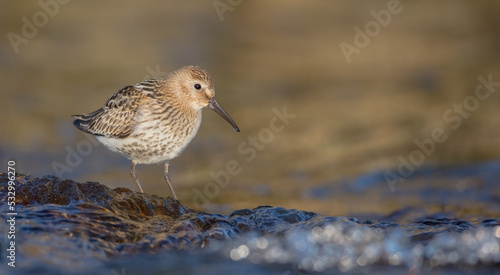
(153, 121)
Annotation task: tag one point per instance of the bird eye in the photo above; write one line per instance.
(197, 86)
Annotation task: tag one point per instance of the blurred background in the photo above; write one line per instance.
(357, 114)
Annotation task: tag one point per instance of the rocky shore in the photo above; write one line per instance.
(61, 226)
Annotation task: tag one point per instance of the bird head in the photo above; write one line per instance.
(197, 87)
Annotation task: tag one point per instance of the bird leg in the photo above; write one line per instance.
(132, 173)
(165, 175)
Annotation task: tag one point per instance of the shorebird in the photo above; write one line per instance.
(154, 121)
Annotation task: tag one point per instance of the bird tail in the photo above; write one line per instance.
(82, 121)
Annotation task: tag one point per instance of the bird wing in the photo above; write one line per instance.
(118, 116)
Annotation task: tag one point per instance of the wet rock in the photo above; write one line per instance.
(491, 222)
(63, 226)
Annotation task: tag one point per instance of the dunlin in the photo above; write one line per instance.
(154, 121)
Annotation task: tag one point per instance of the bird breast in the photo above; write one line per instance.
(161, 134)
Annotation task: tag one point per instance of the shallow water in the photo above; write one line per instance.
(65, 227)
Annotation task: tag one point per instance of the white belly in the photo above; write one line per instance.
(153, 142)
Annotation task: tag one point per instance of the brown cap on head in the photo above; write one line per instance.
(200, 74)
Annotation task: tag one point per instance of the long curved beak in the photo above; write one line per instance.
(214, 105)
